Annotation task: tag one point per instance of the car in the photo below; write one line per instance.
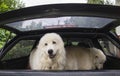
(84, 25)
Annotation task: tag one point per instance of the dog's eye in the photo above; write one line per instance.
(45, 44)
(54, 42)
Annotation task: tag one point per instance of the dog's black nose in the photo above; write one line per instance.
(50, 51)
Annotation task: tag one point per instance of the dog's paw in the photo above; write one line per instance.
(57, 67)
(44, 68)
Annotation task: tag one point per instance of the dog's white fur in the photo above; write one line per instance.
(73, 58)
(39, 58)
(84, 58)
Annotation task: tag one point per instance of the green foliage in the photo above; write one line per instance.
(8, 5)
(4, 35)
(105, 2)
(96, 1)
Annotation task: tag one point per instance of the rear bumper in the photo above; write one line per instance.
(60, 73)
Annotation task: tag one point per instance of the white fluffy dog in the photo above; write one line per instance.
(50, 53)
(84, 58)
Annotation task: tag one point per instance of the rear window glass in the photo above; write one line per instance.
(60, 22)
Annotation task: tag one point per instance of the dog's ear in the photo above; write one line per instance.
(96, 59)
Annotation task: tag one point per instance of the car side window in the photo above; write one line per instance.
(117, 31)
(109, 48)
(21, 49)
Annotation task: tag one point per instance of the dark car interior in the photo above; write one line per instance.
(22, 63)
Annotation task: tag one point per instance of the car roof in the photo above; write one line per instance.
(108, 16)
